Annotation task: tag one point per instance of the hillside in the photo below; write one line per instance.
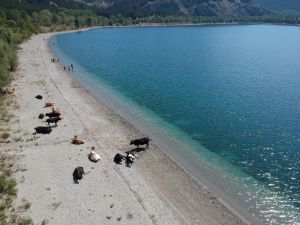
(35, 5)
(142, 8)
(136, 8)
(279, 4)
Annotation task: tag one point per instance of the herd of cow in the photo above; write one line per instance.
(55, 116)
(118, 159)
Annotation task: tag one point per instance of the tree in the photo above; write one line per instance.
(76, 22)
(89, 22)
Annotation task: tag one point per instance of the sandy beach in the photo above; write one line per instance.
(155, 190)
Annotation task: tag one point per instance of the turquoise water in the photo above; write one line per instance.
(231, 90)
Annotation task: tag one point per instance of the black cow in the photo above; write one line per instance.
(53, 120)
(52, 114)
(129, 159)
(43, 130)
(118, 158)
(39, 97)
(141, 141)
(78, 174)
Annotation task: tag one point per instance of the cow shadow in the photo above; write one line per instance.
(127, 163)
(136, 150)
(75, 180)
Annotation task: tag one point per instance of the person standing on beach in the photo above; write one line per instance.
(72, 67)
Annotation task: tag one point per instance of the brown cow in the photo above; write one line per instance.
(49, 104)
(41, 116)
(77, 140)
(10, 91)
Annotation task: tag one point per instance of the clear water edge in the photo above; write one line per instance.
(192, 156)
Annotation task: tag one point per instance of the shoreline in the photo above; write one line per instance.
(170, 25)
(156, 199)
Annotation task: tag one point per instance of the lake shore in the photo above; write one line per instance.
(155, 190)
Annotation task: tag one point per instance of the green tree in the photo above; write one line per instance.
(76, 22)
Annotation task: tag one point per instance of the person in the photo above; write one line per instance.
(72, 67)
(64, 67)
(68, 68)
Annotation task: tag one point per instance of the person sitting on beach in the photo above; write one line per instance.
(77, 140)
(93, 156)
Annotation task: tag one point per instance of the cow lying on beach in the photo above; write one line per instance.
(10, 91)
(49, 104)
(41, 116)
(77, 140)
(129, 159)
(93, 156)
(53, 120)
(43, 130)
(39, 97)
(57, 111)
(141, 141)
(78, 174)
(119, 158)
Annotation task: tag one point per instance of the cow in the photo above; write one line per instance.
(77, 140)
(52, 114)
(53, 120)
(78, 174)
(129, 159)
(141, 141)
(43, 130)
(49, 104)
(57, 111)
(39, 97)
(10, 91)
(93, 156)
(119, 158)
(41, 116)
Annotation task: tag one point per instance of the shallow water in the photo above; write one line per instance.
(230, 92)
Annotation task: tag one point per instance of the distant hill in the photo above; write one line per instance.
(144, 8)
(31, 5)
(279, 4)
(136, 8)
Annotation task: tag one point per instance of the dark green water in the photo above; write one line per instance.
(233, 89)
